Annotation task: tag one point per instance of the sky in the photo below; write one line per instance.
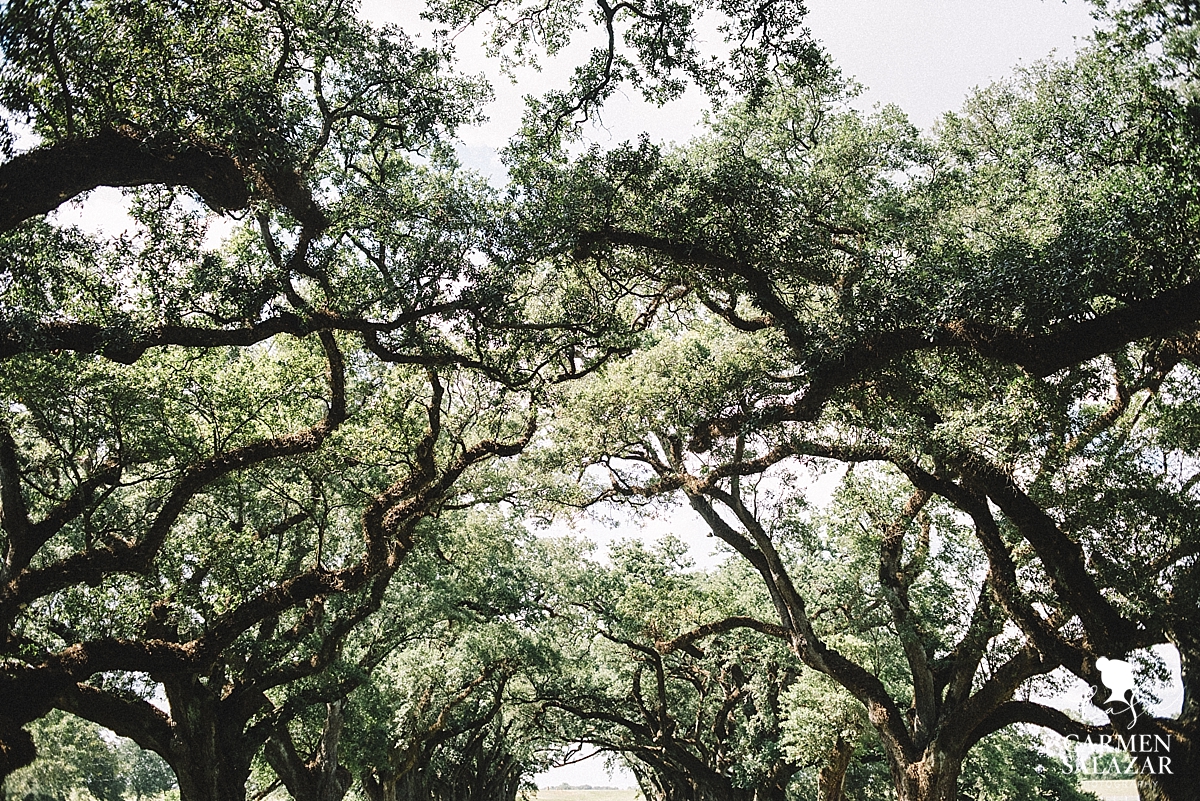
(926, 55)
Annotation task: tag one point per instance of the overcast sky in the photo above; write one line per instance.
(922, 55)
(926, 55)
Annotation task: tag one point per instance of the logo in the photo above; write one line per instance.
(1117, 676)
(1143, 753)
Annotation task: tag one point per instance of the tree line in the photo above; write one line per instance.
(265, 502)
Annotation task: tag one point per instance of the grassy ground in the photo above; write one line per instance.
(587, 795)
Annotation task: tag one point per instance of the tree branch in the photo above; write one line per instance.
(41, 180)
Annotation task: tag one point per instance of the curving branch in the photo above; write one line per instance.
(687, 640)
(41, 180)
(813, 651)
(1047, 717)
(24, 536)
(1062, 558)
(1155, 317)
(895, 581)
(135, 718)
(1039, 354)
(127, 556)
(126, 346)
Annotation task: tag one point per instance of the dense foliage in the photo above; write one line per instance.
(269, 455)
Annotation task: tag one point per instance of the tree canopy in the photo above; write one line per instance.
(263, 495)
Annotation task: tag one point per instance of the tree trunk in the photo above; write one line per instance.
(16, 749)
(376, 789)
(775, 791)
(1176, 779)
(207, 779)
(933, 778)
(204, 739)
(208, 749)
(410, 784)
(831, 779)
(1182, 783)
(679, 786)
(207, 771)
(323, 778)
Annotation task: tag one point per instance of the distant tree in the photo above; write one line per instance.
(1011, 765)
(145, 772)
(670, 670)
(444, 716)
(73, 757)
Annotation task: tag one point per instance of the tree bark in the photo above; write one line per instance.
(204, 739)
(378, 789)
(208, 751)
(831, 778)
(41, 180)
(933, 778)
(682, 787)
(1175, 780)
(16, 748)
(321, 778)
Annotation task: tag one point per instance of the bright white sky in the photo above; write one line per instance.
(926, 55)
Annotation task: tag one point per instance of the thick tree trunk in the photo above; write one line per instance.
(1163, 750)
(1183, 781)
(204, 739)
(208, 748)
(408, 778)
(378, 789)
(683, 787)
(494, 779)
(1173, 772)
(933, 778)
(210, 767)
(16, 749)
